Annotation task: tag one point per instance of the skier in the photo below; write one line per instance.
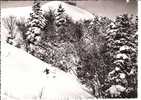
(46, 71)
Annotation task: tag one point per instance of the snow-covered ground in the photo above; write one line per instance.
(23, 78)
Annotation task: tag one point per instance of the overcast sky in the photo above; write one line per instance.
(108, 8)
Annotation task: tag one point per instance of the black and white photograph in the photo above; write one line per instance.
(69, 49)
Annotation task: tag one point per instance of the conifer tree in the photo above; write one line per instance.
(122, 44)
(35, 25)
(61, 23)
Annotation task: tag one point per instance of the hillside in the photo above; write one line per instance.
(23, 78)
(74, 12)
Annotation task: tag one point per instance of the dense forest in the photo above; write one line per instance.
(101, 52)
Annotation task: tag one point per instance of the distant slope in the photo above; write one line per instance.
(22, 78)
(17, 12)
(72, 11)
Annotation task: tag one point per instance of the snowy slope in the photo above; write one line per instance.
(16, 11)
(22, 78)
(74, 12)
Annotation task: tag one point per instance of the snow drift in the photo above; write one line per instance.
(23, 78)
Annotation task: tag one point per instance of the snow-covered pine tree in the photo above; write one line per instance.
(60, 18)
(35, 25)
(60, 23)
(122, 45)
